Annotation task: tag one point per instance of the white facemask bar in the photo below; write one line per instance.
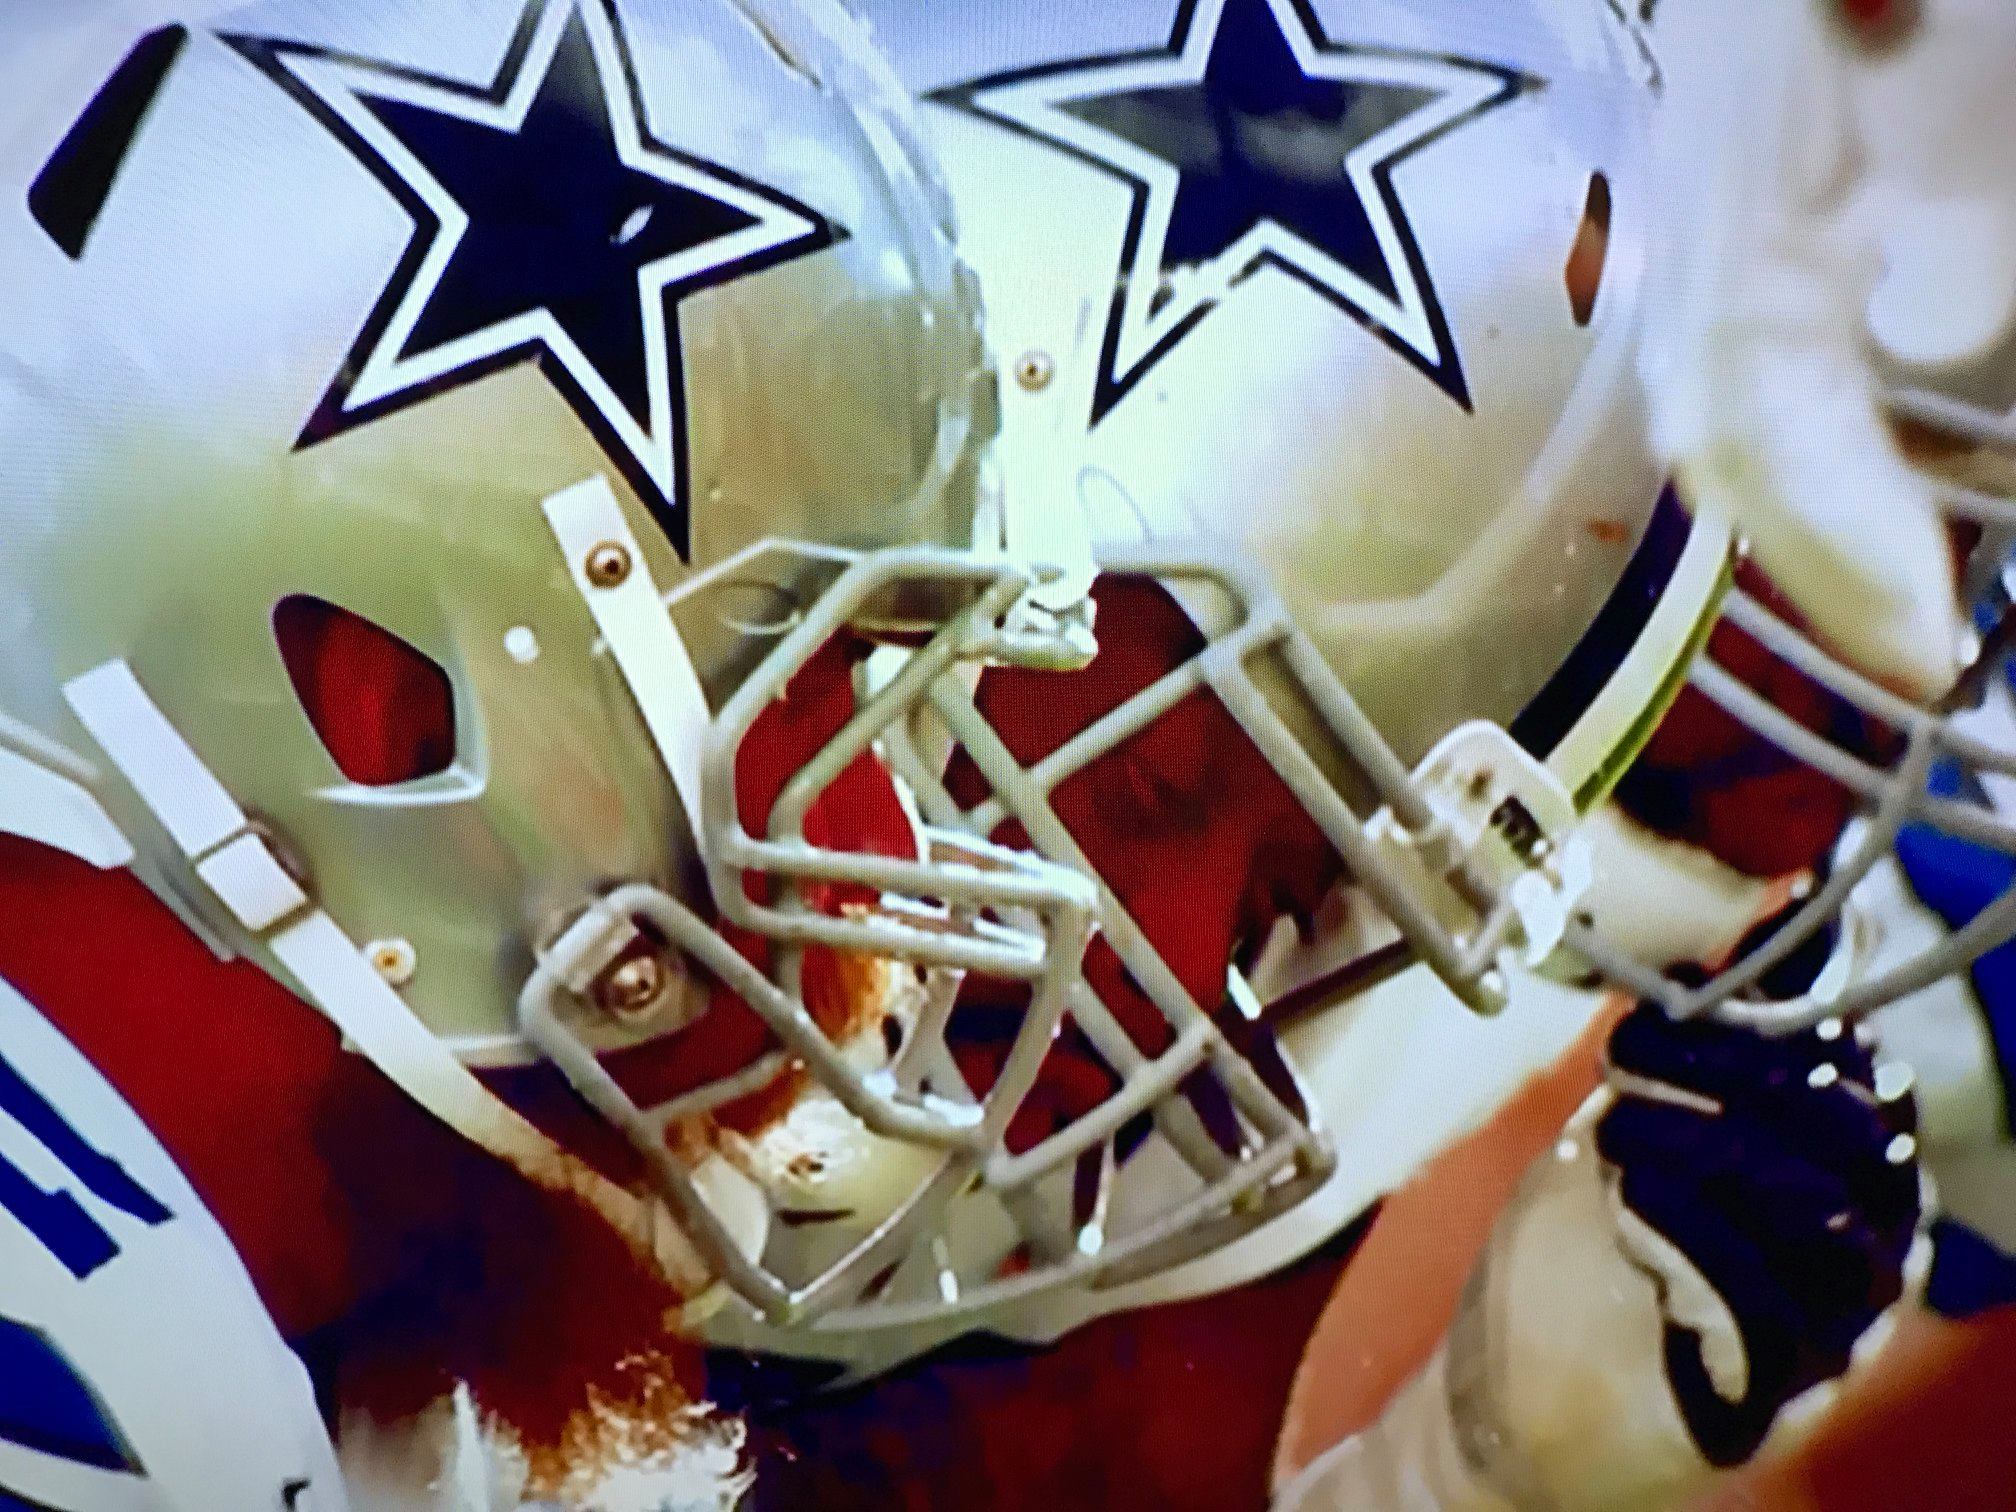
(1283, 1158)
(1894, 797)
(971, 907)
(1467, 961)
(956, 897)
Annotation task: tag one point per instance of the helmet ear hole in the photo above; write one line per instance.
(383, 710)
(1586, 258)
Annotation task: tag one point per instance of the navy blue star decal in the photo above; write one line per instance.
(1254, 141)
(549, 226)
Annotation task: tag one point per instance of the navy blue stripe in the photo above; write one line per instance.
(1969, 1274)
(57, 1219)
(45, 1405)
(1612, 636)
(1957, 879)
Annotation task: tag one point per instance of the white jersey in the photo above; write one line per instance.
(139, 1370)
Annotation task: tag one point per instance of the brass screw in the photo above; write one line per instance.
(394, 960)
(628, 989)
(1034, 370)
(608, 564)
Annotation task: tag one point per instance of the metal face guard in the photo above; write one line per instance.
(1969, 732)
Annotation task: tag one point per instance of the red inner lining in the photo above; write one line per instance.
(383, 710)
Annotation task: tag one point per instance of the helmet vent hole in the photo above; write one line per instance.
(384, 711)
(73, 187)
(1590, 252)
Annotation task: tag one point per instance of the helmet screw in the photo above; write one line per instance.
(394, 960)
(629, 988)
(608, 564)
(1034, 369)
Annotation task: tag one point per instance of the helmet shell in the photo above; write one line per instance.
(170, 472)
(1444, 478)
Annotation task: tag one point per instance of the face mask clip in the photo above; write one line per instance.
(1500, 817)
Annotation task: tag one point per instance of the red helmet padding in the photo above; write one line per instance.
(383, 711)
(859, 813)
(1187, 822)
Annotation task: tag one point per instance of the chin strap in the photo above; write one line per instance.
(49, 809)
(609, 571)
(237, 866)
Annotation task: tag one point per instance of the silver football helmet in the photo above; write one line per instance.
(434, 439)
(1269, 355)
(482, 520)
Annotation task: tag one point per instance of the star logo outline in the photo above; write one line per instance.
(1145, 321)
(378, 377)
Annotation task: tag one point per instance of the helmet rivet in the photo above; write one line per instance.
(608, 564)
(394, 960)
(1034, 369)
(521, 644)
(631, 987)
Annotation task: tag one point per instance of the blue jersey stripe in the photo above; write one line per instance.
(47, 1406)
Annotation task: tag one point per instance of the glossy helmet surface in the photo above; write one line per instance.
(1269, 356)
(440, 441)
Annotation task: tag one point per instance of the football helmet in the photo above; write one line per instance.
(377, 381)
(1857, 296)
(1365, 455)
(532, 552)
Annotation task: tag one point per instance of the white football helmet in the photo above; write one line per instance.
(434, 439)
(1267, 349)
(482, 518)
